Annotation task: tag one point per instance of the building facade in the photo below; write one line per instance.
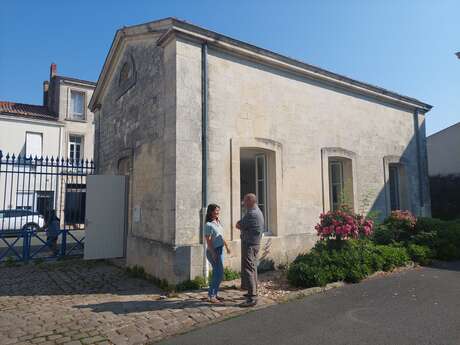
(444, 170)
(444, 152)
(194, 117)
(62, 127)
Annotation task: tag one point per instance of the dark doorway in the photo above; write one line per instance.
(45, 203)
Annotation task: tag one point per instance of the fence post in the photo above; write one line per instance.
(64, 242)
(25, 245)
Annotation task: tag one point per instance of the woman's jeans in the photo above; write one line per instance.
(217, 270)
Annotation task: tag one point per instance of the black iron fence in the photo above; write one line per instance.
(31, 188)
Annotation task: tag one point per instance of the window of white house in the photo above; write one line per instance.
(394, 181)
(336, 183)
(75, 147)
(77, 105)
(24, 200)
(34, 144)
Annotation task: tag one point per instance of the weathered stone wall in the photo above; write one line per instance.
(138, 124)
(156, 124)
(260, 106)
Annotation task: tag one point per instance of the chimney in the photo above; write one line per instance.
(46, 86)
(53, 70)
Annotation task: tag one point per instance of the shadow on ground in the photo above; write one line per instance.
(126, 307)
(71, 277)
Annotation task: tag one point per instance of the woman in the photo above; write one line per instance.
(215, 243)
(52, 231)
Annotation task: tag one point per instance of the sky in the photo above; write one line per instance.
(404, 46)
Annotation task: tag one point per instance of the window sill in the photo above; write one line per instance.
(75, 120)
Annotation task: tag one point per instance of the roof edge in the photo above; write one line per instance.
(172, 26)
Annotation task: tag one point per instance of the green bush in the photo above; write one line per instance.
(392, 256)
(439, 239)
(304, 275)
(230, 274)
(351, 261)
(383, 235)
(426, 224)
(420, 254)
(448, 241)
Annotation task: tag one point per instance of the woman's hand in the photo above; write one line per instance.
(228, 250)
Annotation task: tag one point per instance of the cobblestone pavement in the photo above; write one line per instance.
(79, 303)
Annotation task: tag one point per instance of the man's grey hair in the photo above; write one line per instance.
(251, 196)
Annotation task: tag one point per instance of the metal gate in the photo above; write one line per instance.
(30, 189)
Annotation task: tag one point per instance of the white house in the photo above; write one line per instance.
(62, 127)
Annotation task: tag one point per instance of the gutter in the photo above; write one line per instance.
(419, 161)
(204, 148)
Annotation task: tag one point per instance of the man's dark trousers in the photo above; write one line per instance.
(249, 253)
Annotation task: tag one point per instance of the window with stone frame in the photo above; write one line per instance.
(77, 105)
(75, 148)
(395, 186)
(340, 183)
(336, 183)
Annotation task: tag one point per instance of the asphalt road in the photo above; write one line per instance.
(420, 306)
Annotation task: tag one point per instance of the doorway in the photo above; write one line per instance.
(255, 178)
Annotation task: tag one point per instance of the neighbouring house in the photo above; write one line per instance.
(194, 117)
(62, 127)
(443, 150)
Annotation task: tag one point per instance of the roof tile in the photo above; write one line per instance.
(26, 110)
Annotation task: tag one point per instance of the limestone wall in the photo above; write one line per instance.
(254, 105)
(136, 126)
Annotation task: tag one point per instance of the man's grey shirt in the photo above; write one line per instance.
(252, 226)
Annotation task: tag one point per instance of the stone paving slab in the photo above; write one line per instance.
(83, 303)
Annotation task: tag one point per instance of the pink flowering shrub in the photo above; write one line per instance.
(401, 225)
(343, 224)
(404, 219)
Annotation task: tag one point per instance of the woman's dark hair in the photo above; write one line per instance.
(210, 210)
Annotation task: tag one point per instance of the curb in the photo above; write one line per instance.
(311, 291)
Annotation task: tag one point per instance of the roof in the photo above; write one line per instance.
(26, 110)
(170, 26)
(75, 80)
(454, 127)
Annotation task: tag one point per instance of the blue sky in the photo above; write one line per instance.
(404, 46)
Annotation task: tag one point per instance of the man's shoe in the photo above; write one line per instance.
(249, 303)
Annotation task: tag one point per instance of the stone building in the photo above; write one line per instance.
(194, 117)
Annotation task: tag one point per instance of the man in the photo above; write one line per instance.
(251, 227)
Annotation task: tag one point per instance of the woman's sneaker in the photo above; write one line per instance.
(214, 300)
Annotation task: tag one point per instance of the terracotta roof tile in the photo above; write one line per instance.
(26, 110)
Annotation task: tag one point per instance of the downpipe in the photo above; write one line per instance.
(204, 149)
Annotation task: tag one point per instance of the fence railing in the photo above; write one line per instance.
(30, 189)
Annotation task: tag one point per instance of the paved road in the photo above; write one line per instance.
(420, 306)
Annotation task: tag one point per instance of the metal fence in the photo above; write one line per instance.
(30, 189)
